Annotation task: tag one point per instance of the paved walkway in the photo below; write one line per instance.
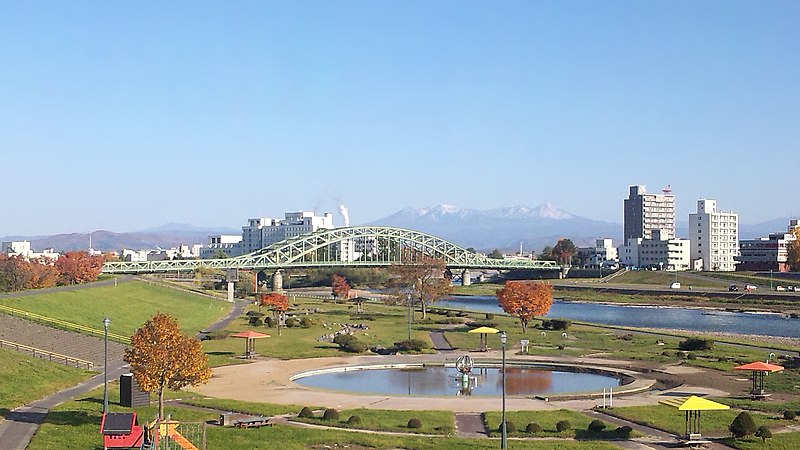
(470, 425)
(440, 343)
(269, 380)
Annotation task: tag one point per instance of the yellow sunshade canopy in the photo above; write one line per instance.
(694, 403)
(484, 330)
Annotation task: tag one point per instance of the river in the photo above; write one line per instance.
(675, 318)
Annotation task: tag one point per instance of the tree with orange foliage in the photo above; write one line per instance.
(161, 357)
(339, 286)
(78, 267)
(279, 304)
(525, 300)
(44, 273)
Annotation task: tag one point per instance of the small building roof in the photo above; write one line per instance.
(759, 366)
(694, 403)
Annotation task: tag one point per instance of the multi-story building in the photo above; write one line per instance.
(714, 237)
(24, 250)
(264, 231)
(598, 256)
(227, 244)
(767, 253)
(656, 253)
(645, 212)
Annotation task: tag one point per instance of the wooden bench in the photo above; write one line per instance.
(253, 422)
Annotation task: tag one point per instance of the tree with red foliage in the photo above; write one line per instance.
(339, 286)
(279, 304)
(78, 267)
(525, 300)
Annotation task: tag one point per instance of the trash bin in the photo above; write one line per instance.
(130, 394)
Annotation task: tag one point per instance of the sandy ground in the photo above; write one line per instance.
(268, 380)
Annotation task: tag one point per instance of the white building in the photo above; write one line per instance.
(599, 255)
(664, 254)
(264, 231)
(645, 212)
(222, 243)
(714, 237)
(23, 249)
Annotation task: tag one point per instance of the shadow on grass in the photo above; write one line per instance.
(220, 353)
(4, 412)
(605, 435)
(73, 418)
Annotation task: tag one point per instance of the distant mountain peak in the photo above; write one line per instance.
(550, 211)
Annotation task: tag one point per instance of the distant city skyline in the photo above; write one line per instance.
(128, 116)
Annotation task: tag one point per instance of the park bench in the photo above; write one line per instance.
(253, 422)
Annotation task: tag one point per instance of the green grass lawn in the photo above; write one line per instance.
(547, 420)
(433, 422)
(712, 423)
(222, 404)
(387, 325)
(75, 425)
(128, 305)
(24, 379)
(779, 441)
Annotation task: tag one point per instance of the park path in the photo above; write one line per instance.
(440, 343)
(470, 425)
(22, 422)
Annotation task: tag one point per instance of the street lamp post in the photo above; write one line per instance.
(408, 297)
(504, 436)
(106, 323)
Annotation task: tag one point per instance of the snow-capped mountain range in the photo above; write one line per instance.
(503, 228)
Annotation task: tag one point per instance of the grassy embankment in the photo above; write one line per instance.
(128, 305)
(24, 379)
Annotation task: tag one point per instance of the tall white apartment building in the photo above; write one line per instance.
(714, 237)
(645, 212)
(264, 231)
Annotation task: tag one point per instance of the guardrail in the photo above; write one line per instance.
(44, 354)
(62, 324)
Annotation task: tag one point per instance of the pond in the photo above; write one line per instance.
(447, 381)
(675, 318)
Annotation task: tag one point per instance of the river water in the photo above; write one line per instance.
(649, 317)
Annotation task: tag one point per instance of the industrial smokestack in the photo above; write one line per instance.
(345, 215)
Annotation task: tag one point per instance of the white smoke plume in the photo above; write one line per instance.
(345, 215)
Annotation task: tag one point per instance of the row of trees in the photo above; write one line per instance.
(18, 273)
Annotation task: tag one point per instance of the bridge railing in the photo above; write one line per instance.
(62, 324)
(45, 354)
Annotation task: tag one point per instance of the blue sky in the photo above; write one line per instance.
(128, 115)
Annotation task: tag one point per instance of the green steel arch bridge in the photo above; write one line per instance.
(340, 247)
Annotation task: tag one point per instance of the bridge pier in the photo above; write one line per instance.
(230, 291)
(277, 281)
(465, 278)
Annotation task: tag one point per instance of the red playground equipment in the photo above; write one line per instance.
(122, 430)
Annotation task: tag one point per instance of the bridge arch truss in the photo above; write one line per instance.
(365, 246)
